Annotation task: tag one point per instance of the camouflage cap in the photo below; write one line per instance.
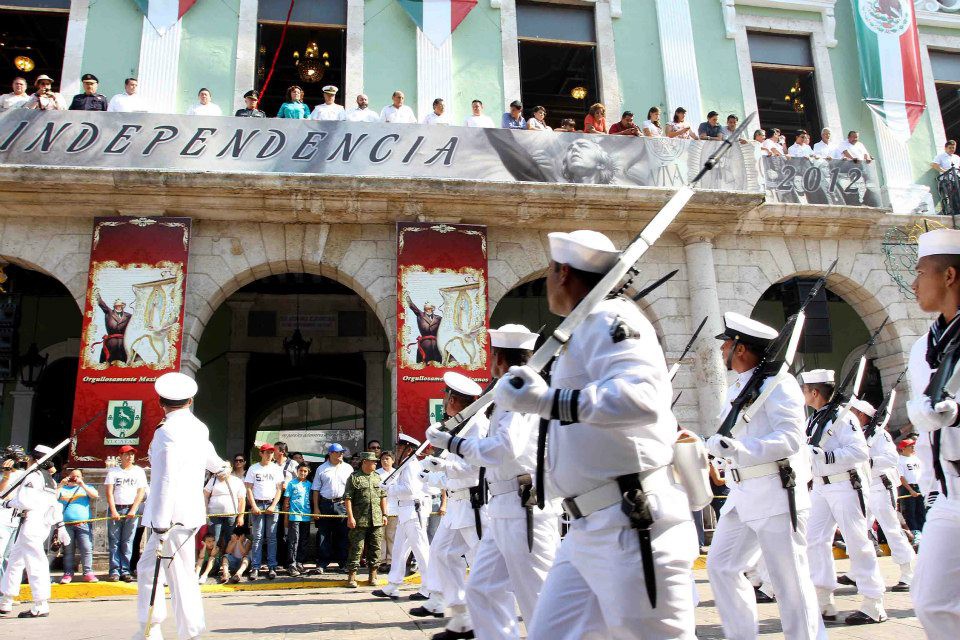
(368, 455)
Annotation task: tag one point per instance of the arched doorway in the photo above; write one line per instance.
(526, 304)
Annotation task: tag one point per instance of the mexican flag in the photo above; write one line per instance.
(163, 14)
(438, 18)
(889, 50)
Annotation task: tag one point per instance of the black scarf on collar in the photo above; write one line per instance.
(940, 335)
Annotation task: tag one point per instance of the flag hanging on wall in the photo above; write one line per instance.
(163, 14)
(890, 75)
(438, 19)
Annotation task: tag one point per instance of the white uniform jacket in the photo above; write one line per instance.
(460, 476)
(918, 374)
(883, 459)
(37, 500)
(775, 433)
(180, 453)
(408, 486)
(845, 448)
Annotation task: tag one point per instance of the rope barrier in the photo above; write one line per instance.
(233, 515)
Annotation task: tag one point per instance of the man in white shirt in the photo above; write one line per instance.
(948, 159)
(329, 483)
(438, 115)
(130, 101)
(478, 120)
(825, 148)
(15, 98)
(771, 146)
(398, 112)
(264, 483)
(362, 112)
(126, 487)
(854, 150)
(386, 549)
(801, 146)
(328, 109)
(205, 105)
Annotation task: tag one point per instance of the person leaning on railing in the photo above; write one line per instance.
(75, 495)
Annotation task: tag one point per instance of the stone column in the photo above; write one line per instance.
(510, 50)
(190, 364)
(73, 48)
(710, 374)
(157, 70)
(22, 415)
(373, 406)
(236, 401)
(434, 73)
(607, 60)
(353, 82)
(245, 75)
(679, 58)
(392, 381)
(905, 195)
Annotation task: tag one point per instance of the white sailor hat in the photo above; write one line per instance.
(513, 336)
(585, 250)
(175, 386)
(938, 242)
(408, 439)
(746, 330)
(461, 384)
(330, 89)
(817, 376)
(863, 407)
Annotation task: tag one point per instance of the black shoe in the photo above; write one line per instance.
(380, 593)
(827, 618)
(272, 574)
(419, 596)
(30, 614)
(126, 578)
(423, 612)
(762, 598)
(900, 587)
(844, 579)
(859, 617)
(446, 634)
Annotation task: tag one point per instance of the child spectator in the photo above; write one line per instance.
(237, 555)
(207, 557)
(296, 501)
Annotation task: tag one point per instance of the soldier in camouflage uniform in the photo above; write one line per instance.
(366, 503)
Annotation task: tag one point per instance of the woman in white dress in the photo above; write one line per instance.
(680, 128)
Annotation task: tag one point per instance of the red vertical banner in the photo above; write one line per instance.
(441, 316)
(132, 332)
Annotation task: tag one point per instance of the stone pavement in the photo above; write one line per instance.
(353, 614)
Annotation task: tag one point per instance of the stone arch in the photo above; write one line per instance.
(58, 248)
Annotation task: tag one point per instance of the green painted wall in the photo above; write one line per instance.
(389, 54)
(212, 379)
(716, 62)
(208, 53)
(784, 14)
(111, 50)
(477, 64)
(638, 61)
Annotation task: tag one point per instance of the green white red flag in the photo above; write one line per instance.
(163, 14)
(890, 76)
(438, 19)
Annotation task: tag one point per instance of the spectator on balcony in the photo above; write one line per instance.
(15, 98)
(89, 100)
(948, 159)
(771, 146)
(711, 129)
(626, 126)
(854, 150)
(825, 148)
(596, 120)
(250, 99)
(759, 136)
(129, 101)
(651, 126)
(732, 122)
(680, 128)
(362, 112)
(44, 97)
(398, 112)
(801, 146)
(205, 105)
(514, 119)
(536, 123)
(477, 119)
(328, 109)
(293, 107)
(439, 114)
(567, 125)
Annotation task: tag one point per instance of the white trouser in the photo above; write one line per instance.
(596, 590)
(936, 584)
(881, 508)
(411, 535)
(28, 555)
(430, 577)
(505, 568)
(447, 552)
(735, 546)
(6, 544)
(832, 506)
(178, 572)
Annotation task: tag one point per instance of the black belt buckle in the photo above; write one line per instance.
(570, 506)
(826, 479)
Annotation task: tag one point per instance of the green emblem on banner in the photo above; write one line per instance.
(123, 422)
(435, 412)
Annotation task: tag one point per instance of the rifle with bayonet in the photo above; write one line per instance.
(882, 416)
(676, 365)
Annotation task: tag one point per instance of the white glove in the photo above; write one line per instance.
(424, 475)
(927, 418)
(435, 463)
(816, 453)
(723, 447)
(63, 536)
(438, 437)
(533, 396)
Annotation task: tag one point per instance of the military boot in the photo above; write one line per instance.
(373, 577)
(352, 580)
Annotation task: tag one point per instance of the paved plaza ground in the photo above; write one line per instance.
(346, 614)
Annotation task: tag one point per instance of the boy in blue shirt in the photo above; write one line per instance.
(296, 500)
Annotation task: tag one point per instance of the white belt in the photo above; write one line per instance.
(458, 494)
(607, 495)
(833, 479)
(740, 474)
(503, 486)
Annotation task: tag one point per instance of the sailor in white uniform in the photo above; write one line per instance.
(609, 453)
(936, 584)
(759, 460)
(882, 501)
(838, 499)
(521, 540)
(180, 454)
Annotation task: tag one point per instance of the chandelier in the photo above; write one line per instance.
(578, 93)
(793, 97)
(313, 65)
(24, 63)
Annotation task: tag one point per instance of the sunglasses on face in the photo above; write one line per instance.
(239, 460)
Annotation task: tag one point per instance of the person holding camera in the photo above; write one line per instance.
(44, 97)
(14, 462)
(75, 496)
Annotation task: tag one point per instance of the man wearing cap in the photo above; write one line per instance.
(366, 503)
(512, 561)
(250, 99)
(328, 109)
(609, 447)
(329, 483)
(413, 508)
(936, 584)
(882, 501)
(126, 487)
(910, 471)
(838, 500)
(44, 97)
(398, 113)
(757, 516)
(89, 100)
(264, 483)
(180, 454)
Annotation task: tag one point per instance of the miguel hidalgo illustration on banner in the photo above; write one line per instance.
(441, 316)
(132, 331)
